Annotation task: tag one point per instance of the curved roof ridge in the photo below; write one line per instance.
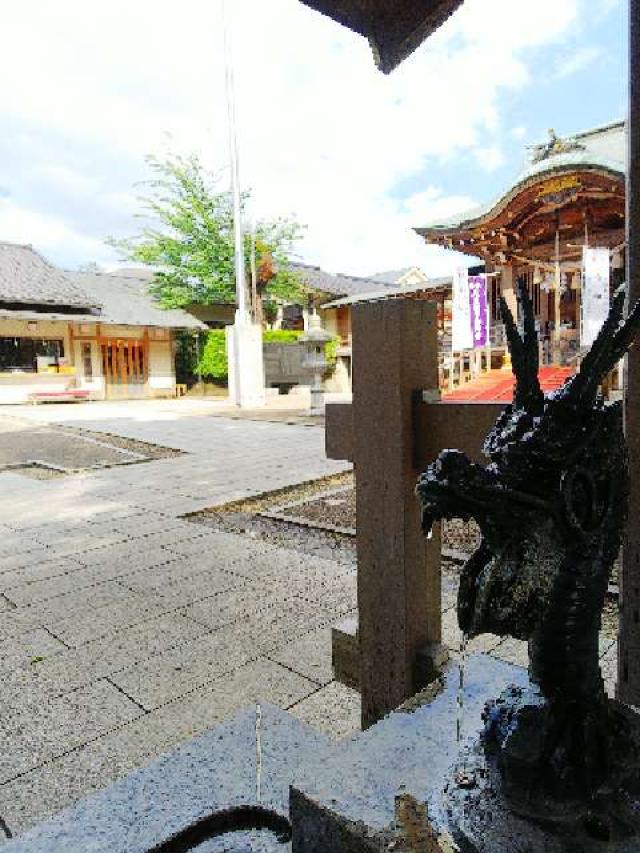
(587, 159)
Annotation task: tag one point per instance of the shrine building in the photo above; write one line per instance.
(570, 195)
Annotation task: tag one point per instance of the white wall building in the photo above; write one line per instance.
(81, 334)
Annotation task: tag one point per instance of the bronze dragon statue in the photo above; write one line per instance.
(551, 507)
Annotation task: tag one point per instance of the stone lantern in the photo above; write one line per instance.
(314, 340)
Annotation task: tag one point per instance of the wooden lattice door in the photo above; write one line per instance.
(124, 368)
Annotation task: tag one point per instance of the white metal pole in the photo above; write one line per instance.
(254, 275)
(241, 287)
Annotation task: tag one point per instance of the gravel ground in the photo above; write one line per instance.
(332, 501)
(338, 508)
(280, 497)
(307, 540)
(244, 517)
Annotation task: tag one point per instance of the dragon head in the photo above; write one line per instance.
(550, 503)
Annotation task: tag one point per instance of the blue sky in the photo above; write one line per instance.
(356, 156)
(572, 88)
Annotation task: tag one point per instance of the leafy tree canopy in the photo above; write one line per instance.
(190, 239)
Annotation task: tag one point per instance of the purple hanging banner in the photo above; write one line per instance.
(479, 310)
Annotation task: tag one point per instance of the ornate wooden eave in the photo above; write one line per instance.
(524, 221)
(394, 28)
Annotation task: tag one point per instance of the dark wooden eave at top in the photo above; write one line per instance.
(525, 222)
(394, 28)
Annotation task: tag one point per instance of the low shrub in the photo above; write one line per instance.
(281, 336)
(213, 361)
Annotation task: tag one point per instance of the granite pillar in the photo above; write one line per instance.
(394, 359)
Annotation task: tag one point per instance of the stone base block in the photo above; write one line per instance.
(191, 798)
(386, 785)
(246, 368)
(345, 654)
(409, 785)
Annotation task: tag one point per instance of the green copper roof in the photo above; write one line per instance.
(602, 148)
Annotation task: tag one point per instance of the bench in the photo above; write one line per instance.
(60, 396)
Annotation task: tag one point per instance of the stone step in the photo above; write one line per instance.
(345, 656)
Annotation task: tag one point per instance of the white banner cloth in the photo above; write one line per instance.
(461, 328)
(595, 293)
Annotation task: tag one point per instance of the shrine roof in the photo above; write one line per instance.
(602, 148)
(334, 284)
(394, 28)
(432, 285)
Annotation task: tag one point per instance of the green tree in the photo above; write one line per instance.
(189, 240)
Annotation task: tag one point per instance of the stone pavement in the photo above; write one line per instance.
(125, 629)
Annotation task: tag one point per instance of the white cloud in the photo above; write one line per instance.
(489, 157)
(577, 61)
(322, 133)
(48, 234)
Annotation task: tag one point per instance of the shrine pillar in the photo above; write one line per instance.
(508, 288)
(628, 688)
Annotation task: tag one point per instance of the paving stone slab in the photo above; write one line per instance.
(334, 710)
(44, 728)
(276, 590)
(270, 631)
(167, 676)
(239, 603)
(309, 655)
(224, 547)
(41, 570)
(64, 607)
(215, 771)
(260, 680)
(40, 590)
(79, 544)
(16, 542)
(27, 648)
(172, 535)
(59, 673)
(44, 791)
(142, 526)
(121, 566)
(36, 555)
(128, 549)
(96, 623)
(177, 575)
(341, 589)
